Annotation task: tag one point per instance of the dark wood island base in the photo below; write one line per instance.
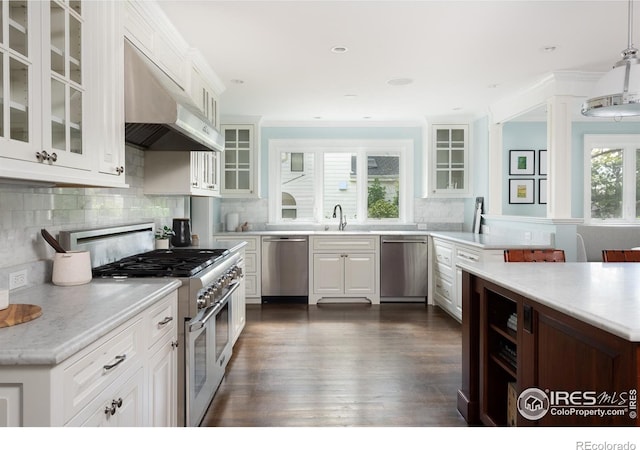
(583, 375)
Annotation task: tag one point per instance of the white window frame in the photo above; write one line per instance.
(629, 143)
(402, 147)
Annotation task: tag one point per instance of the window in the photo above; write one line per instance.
(612, 178)
(371, 180)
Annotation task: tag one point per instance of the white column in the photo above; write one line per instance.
(494, 202)
(559, 157)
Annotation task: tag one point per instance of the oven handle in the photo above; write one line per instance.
(213, 309)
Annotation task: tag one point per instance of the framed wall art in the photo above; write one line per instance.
(522, 162)
(521, 190)
(542, 162)
(542, 191)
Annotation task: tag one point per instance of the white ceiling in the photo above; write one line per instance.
(454, 51)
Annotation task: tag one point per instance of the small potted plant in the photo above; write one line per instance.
(162, 237)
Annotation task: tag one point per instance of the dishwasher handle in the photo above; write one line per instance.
(404, 241)
(285, 240)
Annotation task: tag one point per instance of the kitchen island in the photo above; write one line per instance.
(564, 335)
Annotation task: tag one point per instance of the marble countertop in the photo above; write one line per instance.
(326, 233)
(489, 241)
(75, 316)
(605, 295)
(483, 241)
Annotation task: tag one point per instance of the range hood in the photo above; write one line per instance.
(159, 115)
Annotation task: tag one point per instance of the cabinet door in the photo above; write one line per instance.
(105, 136)
(359, 274)
(64, 84)
(238, 166)
(328, 274)
(162, 385)
(450, 173)
(20, 87)
(129, 396)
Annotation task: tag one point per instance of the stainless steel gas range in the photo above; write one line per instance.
(209, 279)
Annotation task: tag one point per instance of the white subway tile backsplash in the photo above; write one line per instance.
(24, 210)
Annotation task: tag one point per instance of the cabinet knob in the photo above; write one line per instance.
(120, 170)
(53, 157)
(175, 344)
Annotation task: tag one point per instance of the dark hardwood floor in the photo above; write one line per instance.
(356, 365)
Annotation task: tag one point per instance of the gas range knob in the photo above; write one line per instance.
(201, 302)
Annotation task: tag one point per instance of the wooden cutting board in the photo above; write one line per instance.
(19, 313)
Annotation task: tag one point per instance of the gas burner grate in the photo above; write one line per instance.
(162, 263)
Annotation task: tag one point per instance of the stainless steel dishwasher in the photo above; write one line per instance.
(403, 268)
(285, 269)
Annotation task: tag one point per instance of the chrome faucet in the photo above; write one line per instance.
(343, 223)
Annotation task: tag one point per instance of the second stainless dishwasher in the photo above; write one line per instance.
(403, 268)
(285, 269)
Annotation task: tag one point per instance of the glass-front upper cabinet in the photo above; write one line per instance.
(64, 133)
(239, 160)
(42, 86)
(16, 75)
(450, 160)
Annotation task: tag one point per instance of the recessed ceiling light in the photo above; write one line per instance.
(457, 108)
(339, 49)
(399, 81)
(237, 81)
(492, 86)
(549, 48)
(350, 96)
(317, 117)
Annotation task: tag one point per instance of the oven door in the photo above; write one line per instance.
(205, 359)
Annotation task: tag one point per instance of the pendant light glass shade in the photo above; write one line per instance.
(617, 94)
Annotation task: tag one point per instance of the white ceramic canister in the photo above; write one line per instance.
(233, 220)
(71, 268)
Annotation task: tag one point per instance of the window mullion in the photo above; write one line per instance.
(318, 197)
(629, 183)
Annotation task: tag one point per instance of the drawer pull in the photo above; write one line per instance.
(165, 321)
(119, 359)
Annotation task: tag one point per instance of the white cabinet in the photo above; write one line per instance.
(61, 118)
(252, 258)
(205, 87)
(238, 306)
(149, 29)
(119, 406)
(240, 161)
(449, 161)
(447, 278)
(182, 173)
(344, 267)
(126, 378)
(162, 368)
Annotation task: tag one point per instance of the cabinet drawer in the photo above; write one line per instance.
(162, 319)
(351, 243)
(252, 241)
(444, 254)
(443, 286)
(86, 375)
(464, 254)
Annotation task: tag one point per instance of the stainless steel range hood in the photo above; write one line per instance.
(159, 115)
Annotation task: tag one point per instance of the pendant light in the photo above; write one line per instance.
(617, 94)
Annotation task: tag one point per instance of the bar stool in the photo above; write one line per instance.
(536, 255)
